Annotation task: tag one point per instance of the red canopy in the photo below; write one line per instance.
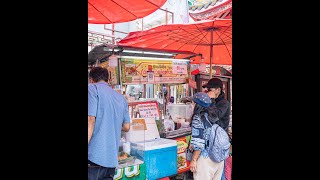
(199, 37)
(116, 11)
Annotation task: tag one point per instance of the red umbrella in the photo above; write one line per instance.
(212, 39)
(116, 11)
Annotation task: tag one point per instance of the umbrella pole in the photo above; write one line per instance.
(211, 48)
(210, 76)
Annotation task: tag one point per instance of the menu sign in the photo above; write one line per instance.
(148, 110)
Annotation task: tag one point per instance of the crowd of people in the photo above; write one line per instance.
(108, 115)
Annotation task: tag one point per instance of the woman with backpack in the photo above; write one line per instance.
(201, 165)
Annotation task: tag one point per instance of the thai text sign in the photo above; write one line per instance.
(148, 110)
(179, 67)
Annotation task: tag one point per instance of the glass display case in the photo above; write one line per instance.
(180, 112)
(177, 120)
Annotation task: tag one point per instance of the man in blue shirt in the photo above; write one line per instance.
(107, 116)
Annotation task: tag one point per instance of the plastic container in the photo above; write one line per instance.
(126, 147)
(185, 125)
(160, 157)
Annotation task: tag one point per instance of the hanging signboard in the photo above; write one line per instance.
(135, 71)
(179, 67)
(192, 83)
(113, 61)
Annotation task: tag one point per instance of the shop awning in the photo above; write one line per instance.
(102, 52)
(116, 11)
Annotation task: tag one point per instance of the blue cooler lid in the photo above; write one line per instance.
(156, 144)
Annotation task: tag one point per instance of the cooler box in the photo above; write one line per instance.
(159, 155)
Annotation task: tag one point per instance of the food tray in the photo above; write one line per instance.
(129, 160)
(177, 133)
